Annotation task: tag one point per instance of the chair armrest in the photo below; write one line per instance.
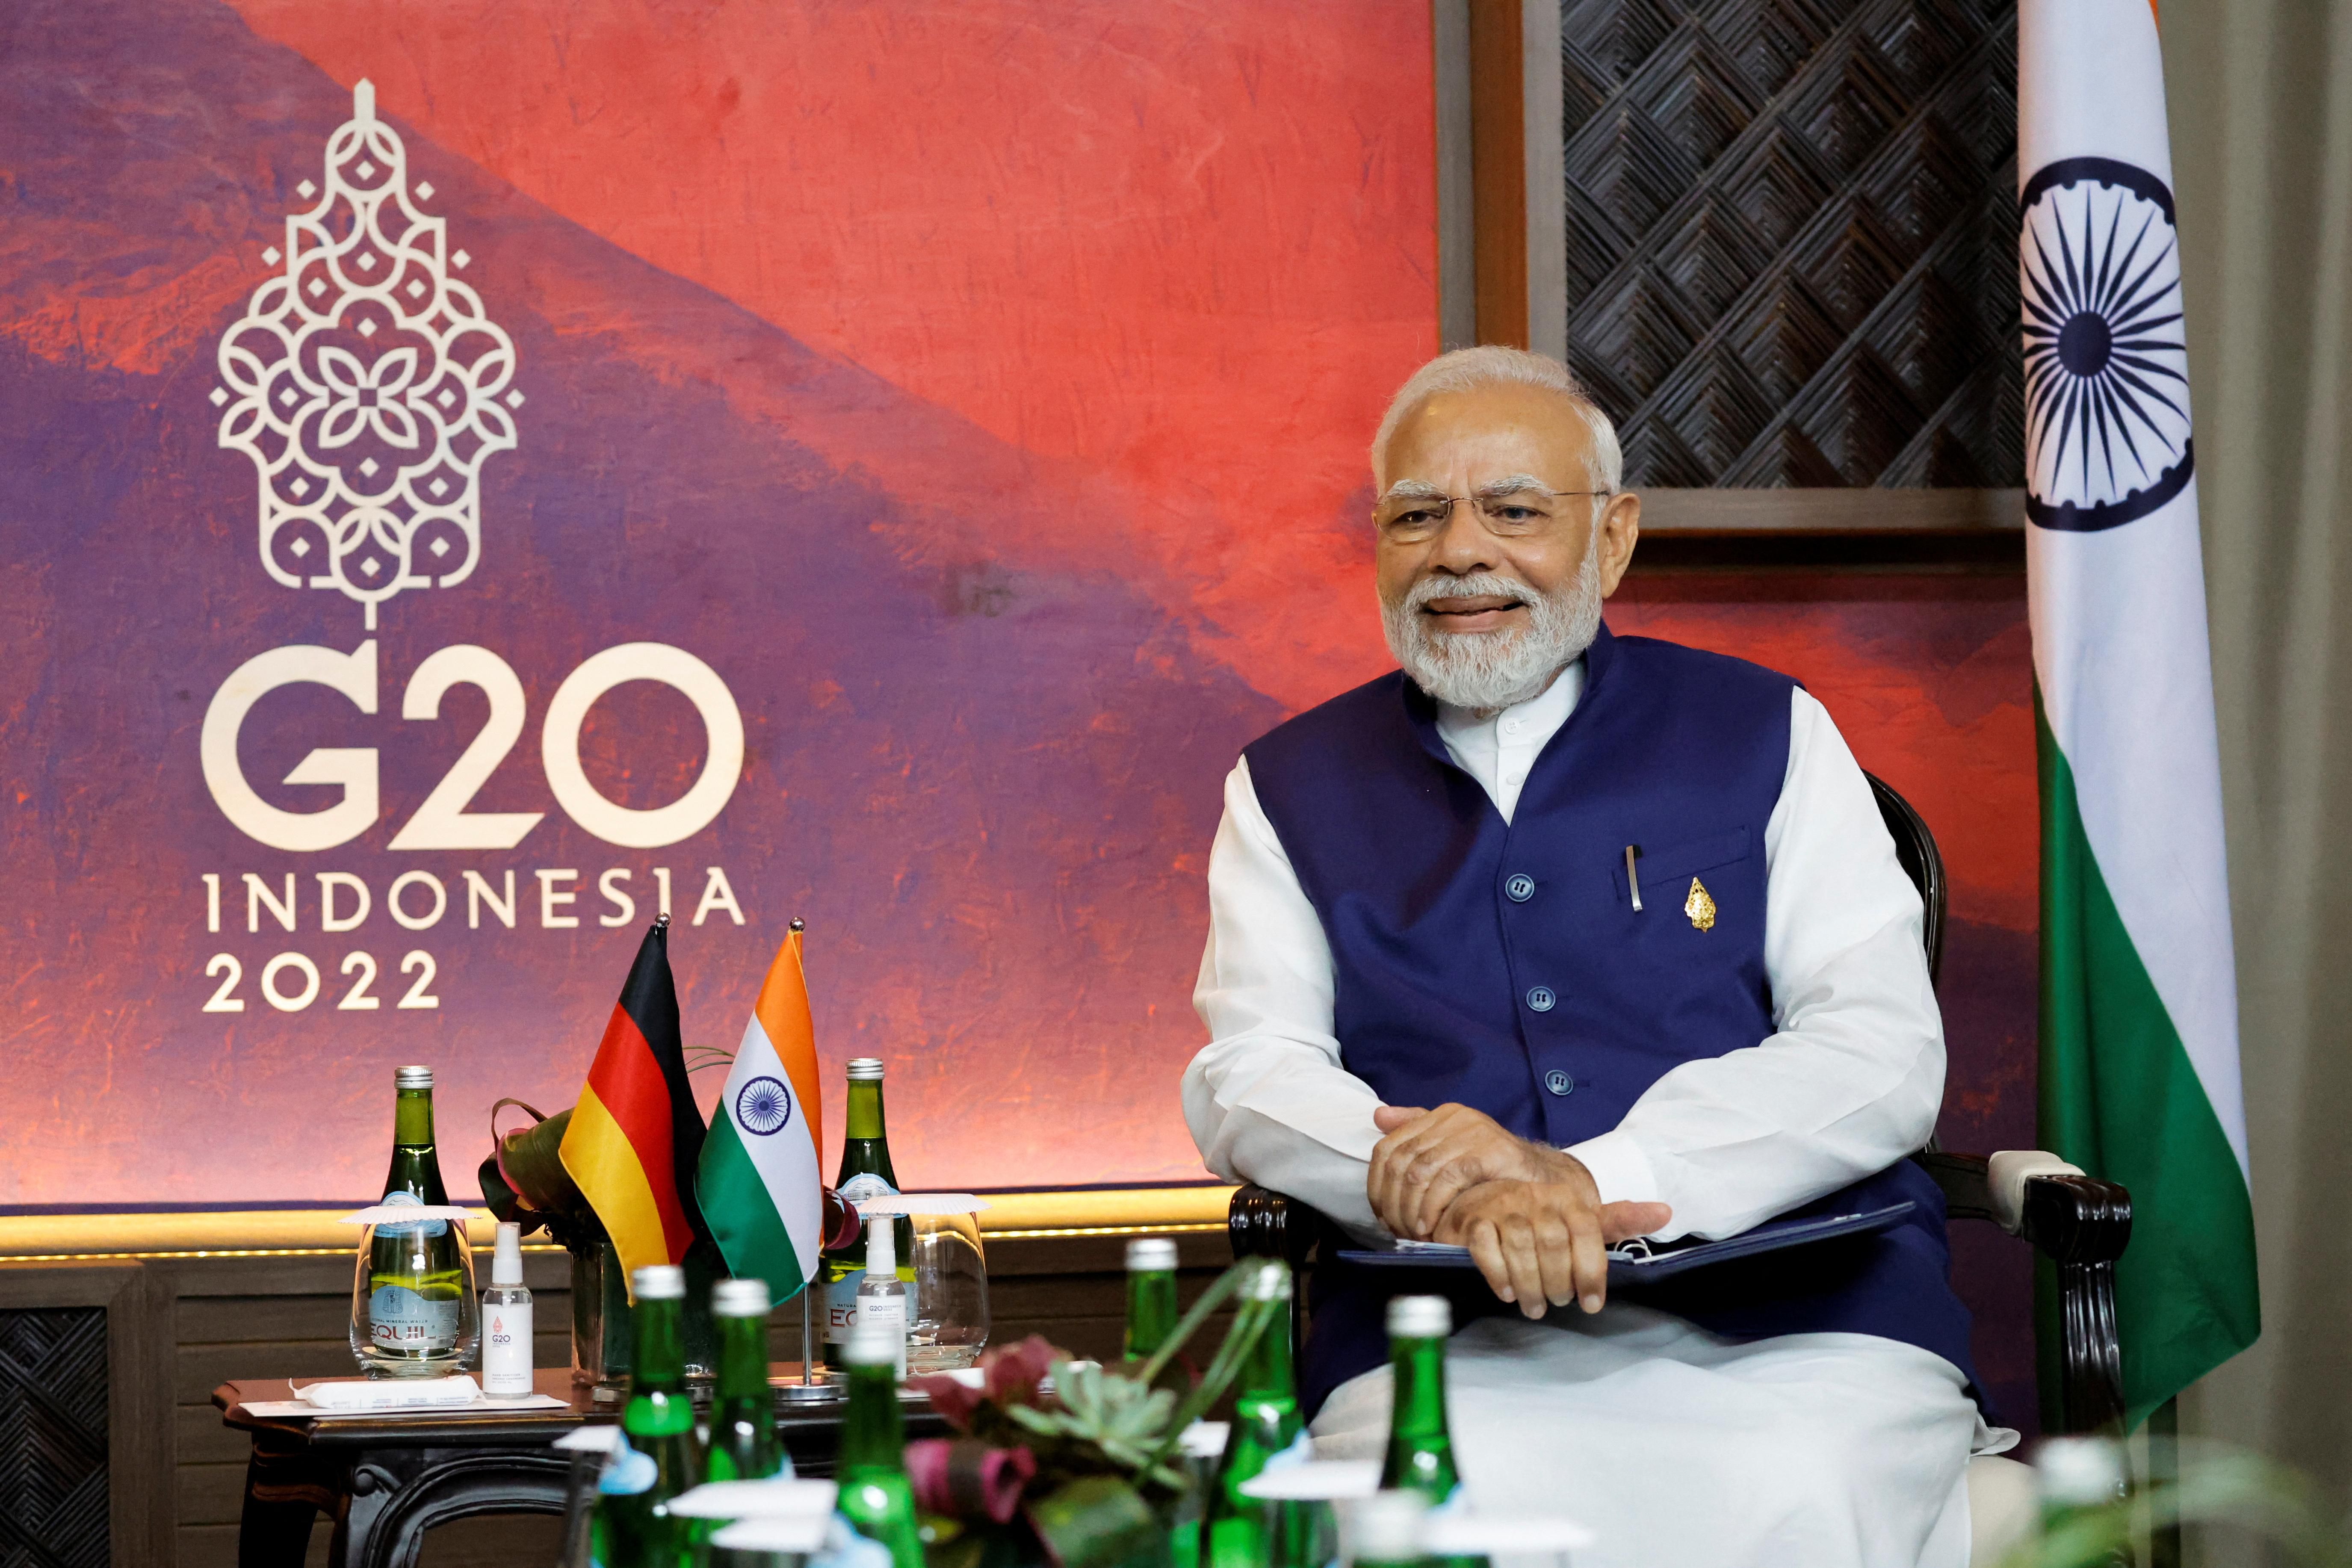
(2073, 1217)
(2083, 1224)
(1994, 1187)
(1262, 1223)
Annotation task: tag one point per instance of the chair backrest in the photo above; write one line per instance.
(1914, 847)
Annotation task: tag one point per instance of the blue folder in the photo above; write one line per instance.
(1640, 1263)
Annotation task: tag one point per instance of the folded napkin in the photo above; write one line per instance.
(404, 1394)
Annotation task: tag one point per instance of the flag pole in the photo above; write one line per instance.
(808, 1288)
(808, 1339)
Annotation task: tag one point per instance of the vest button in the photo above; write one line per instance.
(1519, 889)
(1559, 1082)
(1541, 999)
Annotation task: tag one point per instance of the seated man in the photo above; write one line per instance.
(1555, 939)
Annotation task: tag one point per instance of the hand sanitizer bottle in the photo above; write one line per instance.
(506, 1321)
(882, 1293)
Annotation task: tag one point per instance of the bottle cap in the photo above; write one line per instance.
(505, 1263)
(874, 1344)
(881, 1246)
(1419, 1317)
(1269, 1282)
(866, 1069)
(1150, 1254)
(740, 1299)
(2079, 1472)
(1386, 1526)
(659, 1282)
(412, 1078)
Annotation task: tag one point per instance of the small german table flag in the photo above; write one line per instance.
(636, 1136)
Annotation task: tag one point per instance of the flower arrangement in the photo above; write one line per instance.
(1068, 1462)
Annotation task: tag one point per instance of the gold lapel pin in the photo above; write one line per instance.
(1699, 907)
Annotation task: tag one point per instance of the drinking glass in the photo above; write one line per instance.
(950, 1293)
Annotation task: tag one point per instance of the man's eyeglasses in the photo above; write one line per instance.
(1508, 514)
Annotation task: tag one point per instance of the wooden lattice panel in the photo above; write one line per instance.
(1791, 237)
(53, 1397)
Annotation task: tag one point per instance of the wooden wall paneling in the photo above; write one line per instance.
(287, 1316)
(1501, 197)
(83, 1414)
(1789, 232)
(1868, 528)
(198, 1321)
(1498, 171)
(1457, 230)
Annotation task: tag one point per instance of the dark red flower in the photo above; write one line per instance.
(967, 1479)
(1014, 1371)
(952, 1398)
(927, 1471)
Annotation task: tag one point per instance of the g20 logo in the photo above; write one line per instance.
(443, 821)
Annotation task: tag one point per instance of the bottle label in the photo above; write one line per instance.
(506, 1350)
(401, 1319)
(424, 1226)
(841, 1306)
(840, 1303)
(862, 1188)
(890, 1310)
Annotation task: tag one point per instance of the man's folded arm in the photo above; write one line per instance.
(1851, 1081)
(1267, 1100)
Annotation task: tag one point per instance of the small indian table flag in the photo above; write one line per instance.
(2139, 1014)
(759, 1186)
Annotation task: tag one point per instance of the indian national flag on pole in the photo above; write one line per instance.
(2139, 1011)
(759, 1186)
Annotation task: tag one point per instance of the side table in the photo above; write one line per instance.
(386, 1479)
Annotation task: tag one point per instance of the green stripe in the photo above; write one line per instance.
(742, 1216)
(2120, 1099)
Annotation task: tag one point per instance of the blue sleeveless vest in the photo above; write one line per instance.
(1503, 965)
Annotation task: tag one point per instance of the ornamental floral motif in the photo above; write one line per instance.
(366, 384)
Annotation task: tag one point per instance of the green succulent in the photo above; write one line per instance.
(1127, 1419)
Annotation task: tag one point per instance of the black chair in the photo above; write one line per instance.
(2080, 1222)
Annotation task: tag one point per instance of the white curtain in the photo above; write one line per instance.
(2260, 99)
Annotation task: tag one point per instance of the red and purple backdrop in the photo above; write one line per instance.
(965, 404)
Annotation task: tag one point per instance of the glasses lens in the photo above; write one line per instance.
(1411, 515)
(1519, 511)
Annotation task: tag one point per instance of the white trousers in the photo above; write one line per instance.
(1681, 1449)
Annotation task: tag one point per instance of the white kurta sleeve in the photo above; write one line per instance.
(1266, 1098)
(1850, 1080)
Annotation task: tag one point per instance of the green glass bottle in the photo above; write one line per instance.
(1151, 1295)
(876, 1497)
(865, 1173)
(1238, 1531)
(1421, 1450)
(634, 1527)
(417, 1285)
(743, 1445)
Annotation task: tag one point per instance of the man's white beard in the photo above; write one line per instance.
(1489, 670)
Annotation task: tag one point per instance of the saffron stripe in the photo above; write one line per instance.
(784, 1014)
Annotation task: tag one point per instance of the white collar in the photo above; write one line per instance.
(1536, 719)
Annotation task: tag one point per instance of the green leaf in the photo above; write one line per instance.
(1041, 1422)
(1097, 1522)
(1255, 1319)
(1211, 1300)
